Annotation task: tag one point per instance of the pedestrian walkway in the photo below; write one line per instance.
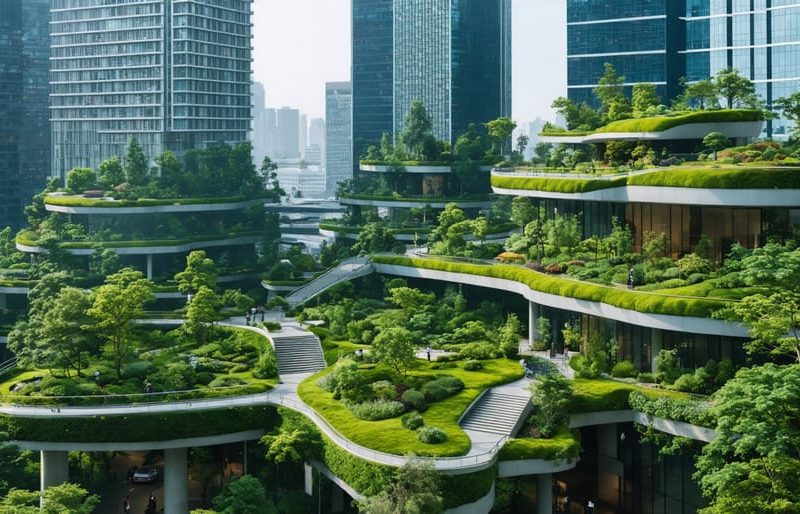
(349, 269)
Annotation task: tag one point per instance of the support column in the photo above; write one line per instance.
(308, 476)
(656, 344)
(149, 266)
(533, 317)
(544, 493)
(337, 499)
(176, 481)
(54, 468)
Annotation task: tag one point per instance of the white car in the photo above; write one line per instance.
(145, 475)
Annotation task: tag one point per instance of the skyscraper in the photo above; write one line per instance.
(24, 112)
(303, 133)
(338, 134)
(259, 133)
(316, 132)
(173, 74)
(271, 130)
(454, 55)
(288, 141)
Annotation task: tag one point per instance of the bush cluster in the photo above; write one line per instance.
(376, 410)
(441, 388)
(412, 421)
(431, 435)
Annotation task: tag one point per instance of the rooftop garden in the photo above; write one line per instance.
(68, 200)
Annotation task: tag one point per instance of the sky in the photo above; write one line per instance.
(299, 45)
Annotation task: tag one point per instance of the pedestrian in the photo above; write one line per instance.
(590, 507)
(126, 505)
(151, 504)
(429, 353)
(261, 309)
(631, 278)
(148, 387)
(566, 354)
(247, 319)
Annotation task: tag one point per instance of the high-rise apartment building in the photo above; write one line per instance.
(271, 131)
(259, 132)
(665, 42)
(175, 74)
(316, 132)
(288, 133)
(338, 134)
(24, 112)
(303, 134)
(454, 55)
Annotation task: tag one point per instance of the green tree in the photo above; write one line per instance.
(172, 174)
(645, 98)
(564, 233)
(245, 495)
(116, 305)
(417, 129)
(790, 107)
(522, 211)
(104, 262)
(136, 169)
(202, 312)
(734, 89)
(66, 330)
(551, 396)
(752, 464)
(111, 173)
(374, 238)
(80, 179)
(269, 176)
(522, 144)
(500, 131)
(411, 300)
(618, 152)
(579, 116)
(394, 347)
(702, 94)
(715, 141)
(415, 490)
(69, 499)
(468, 151)
(655, 245)
(610, 92)
(542, 151)
(509, 336)
(19, 469)
(200, 272)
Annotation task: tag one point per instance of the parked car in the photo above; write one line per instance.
(145, 475)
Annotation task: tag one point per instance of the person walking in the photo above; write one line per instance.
(126, 505)
(148, 387)
(151, 504)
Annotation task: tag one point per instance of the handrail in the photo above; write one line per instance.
(8, 365)
(362, 261)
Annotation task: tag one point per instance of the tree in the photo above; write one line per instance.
(522, 211)
(111, 173)
(116, 305)
(172, 174)
(551, 396)
(522, 144)
(417, 129)
(542, 151)
(790, 107)
(645, 98)
(80, 179)
(69, 499)
(394, 347)
(293, 445)
(618, 152)
(269, 176)
(66, 330)
(415, 490)
(202, 467)
(19, 468)
(200, 272)
(468, 151)
(702, 94)
(203, 310)
(752, 464)
(715, 141)
(610, 92)
(374, 238)
(579, 116)
(135, 164)
(734, 89)
(509, 336)
(245, 495)
(500, 131)
(410, 300)
(104, 262)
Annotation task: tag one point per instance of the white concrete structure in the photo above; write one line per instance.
(741, 130)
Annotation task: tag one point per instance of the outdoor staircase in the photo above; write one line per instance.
(298, 353)
(349, 269)
(497, 412)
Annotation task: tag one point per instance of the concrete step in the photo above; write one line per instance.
(496, 412)
(298, 354)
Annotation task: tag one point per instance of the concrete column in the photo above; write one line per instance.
(656, 344)
(337, 499)
(54, 468)
(176, 481)
(533, 316)
(308, 482)
(544, 493)
(149, 266)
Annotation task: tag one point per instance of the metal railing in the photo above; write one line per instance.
(327, 279)
(8, 365)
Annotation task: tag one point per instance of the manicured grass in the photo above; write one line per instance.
(332, 348)
(622, 298)
(80, 201)
(8, 282)
(565, 445)
(556, 185)
(709, 288)
(388, 435)
(596, 395)
(29, 238)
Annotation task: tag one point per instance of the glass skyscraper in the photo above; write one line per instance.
(338, 134)
(175, 74)
(454, 55)
(24, 113)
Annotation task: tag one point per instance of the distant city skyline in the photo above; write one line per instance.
(299, 46)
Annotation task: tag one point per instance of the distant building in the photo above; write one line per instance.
(312, 155)
(455, 56)
(175, 75)
(302, 182)
(338, 134)
(316, 135)
(259, 133)
(288, 140)
(303, 134)
(271, 132)
(24, 105)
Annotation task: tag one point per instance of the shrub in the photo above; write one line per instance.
(441, 388)
(139, 370)
(416, 399)
(692, 263)
(376, 410)
(696, 278)
(203, 378)
(384, 390)
(646, 377)
(240, 368)
(431, 435)
(266, 366)
(227, 382)
(272, 326)
(552, 396)
(623, 369)
(412, 421)
(478, 351)
(473, 365)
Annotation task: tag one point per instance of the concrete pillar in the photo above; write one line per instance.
(308, 481)
(337, 499)
(54, 468)
(533, 316)
(149, 266)
(176, 481)
(656, 344)
(544, 493)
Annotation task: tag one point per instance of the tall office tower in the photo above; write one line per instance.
(454, 55)
(271, 131)
(303, 134)
(316, 132)
(760, 38)
(24, 105)
(338, 134)
(288, 140)
(175, 74)
(259, 132)
(642, 39)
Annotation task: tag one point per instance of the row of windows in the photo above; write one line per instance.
(212, 24)
(108, 50)
(104, 100)
(107, 113)
(212, 87)
(211, 74)
(118, 75)
(195, 111)
(105, 63)
(210, 62)
(92, 9)
(218, 38)
(239, 12)
(211, 49)
(203, 99)
(118, 23)
(634, 68)
(212, 124)
(588, 10)
(108, 37)
(628, 36)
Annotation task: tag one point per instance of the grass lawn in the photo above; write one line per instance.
(566, 444)
(595, 395)
(332, 348)
(388, 435)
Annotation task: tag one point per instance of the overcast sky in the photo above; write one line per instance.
(301, 44)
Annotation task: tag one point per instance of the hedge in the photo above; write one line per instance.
(368, 478)
(597, 395)
(633, 300)
(460, 490)
(565, 445)
(140, 427)
(420, 199)
(29, 238)
(556, 185)
(687, 410)
(80, 201)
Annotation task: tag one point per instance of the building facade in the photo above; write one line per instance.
(258, 136)
(24, 113)
(175, 74)
(454, 55)
(288, 133)
(338, 134)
